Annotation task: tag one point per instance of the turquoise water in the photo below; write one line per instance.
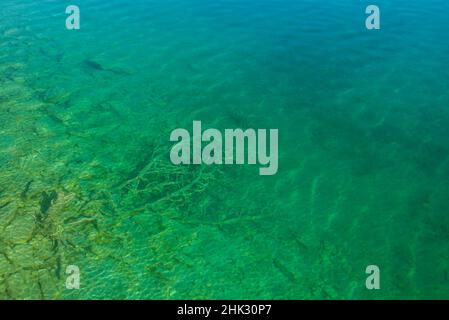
(86, 179)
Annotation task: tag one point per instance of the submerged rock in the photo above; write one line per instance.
(47, 200)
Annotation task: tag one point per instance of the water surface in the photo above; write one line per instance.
(86, 180)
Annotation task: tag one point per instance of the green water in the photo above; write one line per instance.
(86, 180)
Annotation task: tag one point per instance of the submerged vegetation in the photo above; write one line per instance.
(77, 193)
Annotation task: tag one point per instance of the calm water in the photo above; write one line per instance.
(363, 119)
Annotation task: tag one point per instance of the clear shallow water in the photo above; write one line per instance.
(363, 120)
